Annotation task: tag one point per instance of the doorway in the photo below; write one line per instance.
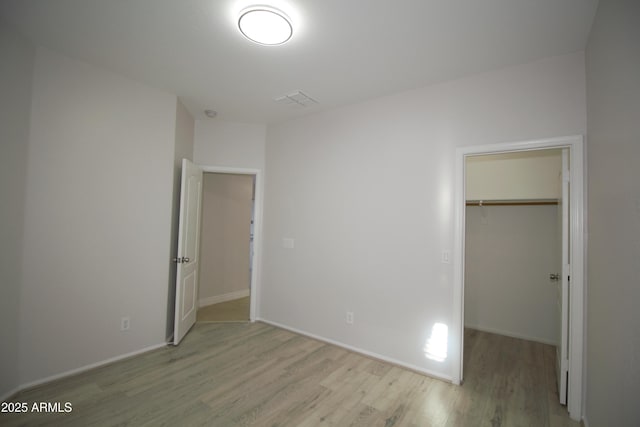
(187, 257)
(512, 259)
(511, 244)
(226, 247)
(576, 298)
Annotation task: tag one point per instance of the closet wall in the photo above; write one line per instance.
(511, 248)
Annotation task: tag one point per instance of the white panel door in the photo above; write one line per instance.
(562, 350)
(188, 250)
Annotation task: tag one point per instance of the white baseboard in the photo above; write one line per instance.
(87, 367)
(367, 353)
(510, 334)
(223, 298)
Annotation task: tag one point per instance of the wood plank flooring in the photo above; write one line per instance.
(236, 310)
(244, 374)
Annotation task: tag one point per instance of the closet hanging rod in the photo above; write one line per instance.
(511, 202)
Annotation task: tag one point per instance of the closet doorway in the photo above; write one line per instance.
(226, 247)
(513, 295)
(511, 244)
(575, 253)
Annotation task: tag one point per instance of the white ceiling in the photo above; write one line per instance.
(342, 51)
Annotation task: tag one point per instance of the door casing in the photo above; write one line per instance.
(575, 144)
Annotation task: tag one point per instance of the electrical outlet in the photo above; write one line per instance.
(350, 317)
(125, 323)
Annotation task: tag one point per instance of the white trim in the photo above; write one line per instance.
(577, 285)
(576, 302)
(510, 334)
(88, 367)
(371, 354)
(216, 299)
(257, 229)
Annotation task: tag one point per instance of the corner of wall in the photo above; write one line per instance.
(16, 79)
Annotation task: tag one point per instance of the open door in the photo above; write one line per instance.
(187, 257)
(562, 349)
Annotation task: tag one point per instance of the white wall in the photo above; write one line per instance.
(231, 144)
(366, 191)
(613, 94)
(184, 139)
(225, 237)
(509, 253)
(16, 71)
(97, 223)
(528, 175)
(185, 130)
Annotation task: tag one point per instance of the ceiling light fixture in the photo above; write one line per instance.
(265, 25)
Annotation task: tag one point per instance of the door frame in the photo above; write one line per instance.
(257, 228)
(575, 144)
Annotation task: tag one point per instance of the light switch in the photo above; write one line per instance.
(287, 243)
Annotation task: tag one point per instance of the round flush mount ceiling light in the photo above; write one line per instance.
(265, 25)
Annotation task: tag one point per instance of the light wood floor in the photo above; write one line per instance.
(236, 310)
(241, 374)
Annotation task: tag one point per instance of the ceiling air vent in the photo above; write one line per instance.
(296, 99)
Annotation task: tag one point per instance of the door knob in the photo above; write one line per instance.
(185, 259)
(180, 260)
(554, 277)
